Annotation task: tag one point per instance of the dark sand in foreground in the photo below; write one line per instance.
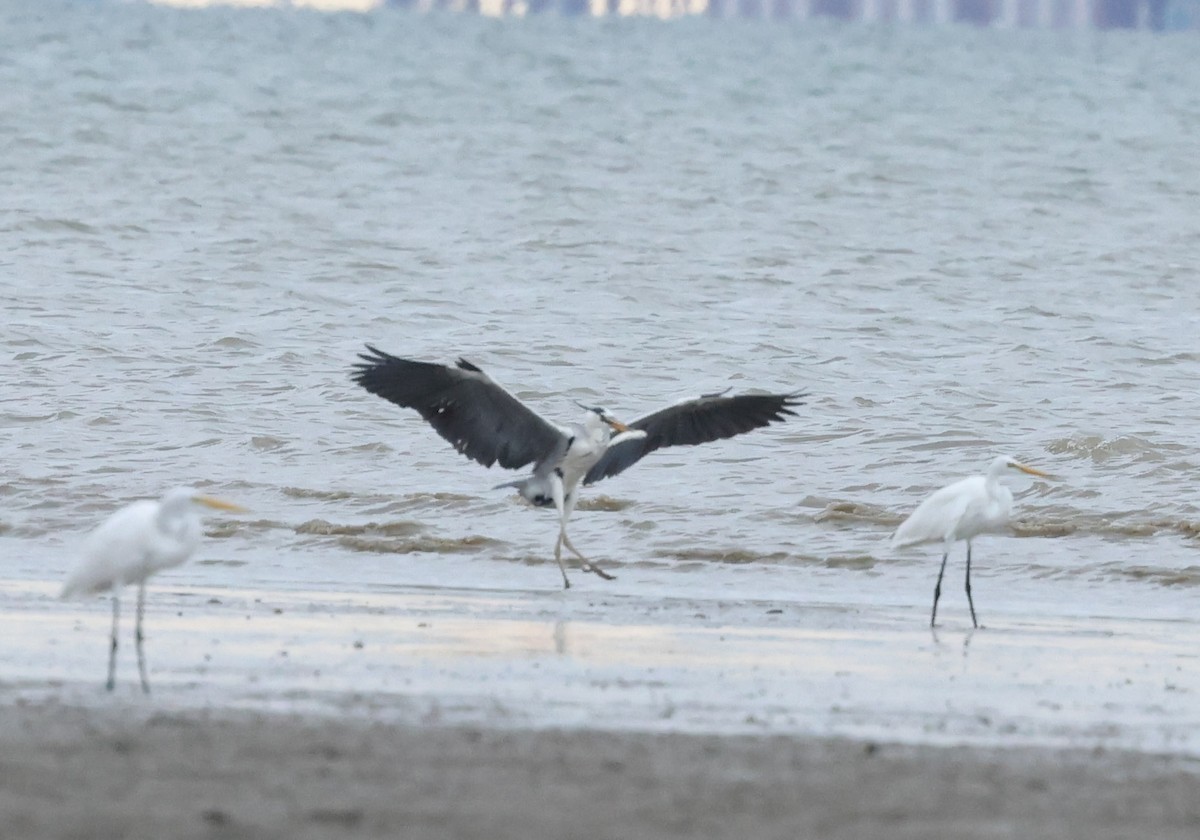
(68, 772)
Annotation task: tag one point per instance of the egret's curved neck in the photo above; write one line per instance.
(992, 476)
(171, 512)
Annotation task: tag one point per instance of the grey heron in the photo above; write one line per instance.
(489, 425)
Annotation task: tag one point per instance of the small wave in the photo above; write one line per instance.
(602, 503)
(1060, 523)
(417, 499)
(700, 557)
(221, 529)
(369, 265)
(858, 512)
(1187, 576)
(224, 528)
(1026, 528)
(59, 225)
(322, 495)
(1112, 525)
(1169, 359)
(9, 419)
(732, 556)
(369, 448)
(233, 342)
(1100, 449)
(860, 562)
(355, 139)
(423, 545)
(323, 528)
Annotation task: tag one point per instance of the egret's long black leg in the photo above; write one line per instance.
(970, 602)
(588, 565)
(112, 647)
(139, 638)
(937, 589)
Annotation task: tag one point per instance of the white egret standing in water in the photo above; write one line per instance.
(962, 511)
(489, 425)
(138, 541)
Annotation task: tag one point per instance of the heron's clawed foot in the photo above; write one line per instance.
(596, 570)
(588, 567)
(584, 563)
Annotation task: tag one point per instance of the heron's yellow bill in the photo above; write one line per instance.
(1031, 470)
(219, 504)
(617, 425)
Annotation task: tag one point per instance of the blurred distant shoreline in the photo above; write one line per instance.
(1156, 15)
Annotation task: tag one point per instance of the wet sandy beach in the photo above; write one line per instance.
(608, 658)
(135, 773)
(457, 713)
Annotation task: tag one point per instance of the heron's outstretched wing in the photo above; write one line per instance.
(479, 418)
(708, 418)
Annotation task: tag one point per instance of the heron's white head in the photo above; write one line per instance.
(597, 417)
(1004, 463)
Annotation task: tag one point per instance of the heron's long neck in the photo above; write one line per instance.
(598, 431)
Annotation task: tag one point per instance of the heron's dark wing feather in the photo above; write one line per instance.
(708, 418)
(622, 453)
(479, 418)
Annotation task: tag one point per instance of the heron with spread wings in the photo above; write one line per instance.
(489, 425)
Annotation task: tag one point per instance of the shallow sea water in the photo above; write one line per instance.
(959, 242)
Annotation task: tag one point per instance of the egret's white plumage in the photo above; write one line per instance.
(137, 541)
(962, 511)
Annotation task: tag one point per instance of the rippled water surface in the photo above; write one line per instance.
(959, 242)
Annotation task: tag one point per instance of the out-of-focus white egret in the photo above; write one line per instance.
(134, 543)
(489, 425)
(962, 511)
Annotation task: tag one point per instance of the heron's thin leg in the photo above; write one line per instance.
(556, 490)
(937, 589)
(565, 505)
(558, 556)
(588, 565)
(139, 638)
(112, 648)
(970, 602)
